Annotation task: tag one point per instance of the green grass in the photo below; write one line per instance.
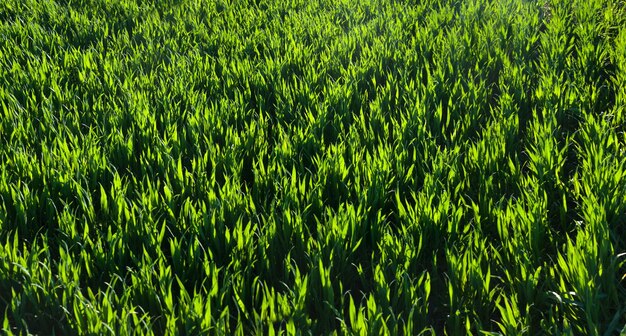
(312, 167)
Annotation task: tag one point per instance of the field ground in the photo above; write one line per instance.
(312, 167)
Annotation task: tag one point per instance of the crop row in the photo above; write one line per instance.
(370, 167)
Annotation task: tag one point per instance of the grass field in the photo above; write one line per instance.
(192, 167)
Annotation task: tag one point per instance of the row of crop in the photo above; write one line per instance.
(373, 167)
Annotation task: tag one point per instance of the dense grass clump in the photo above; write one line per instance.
(312, 166)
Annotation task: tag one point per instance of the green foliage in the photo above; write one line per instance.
(312, 167)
